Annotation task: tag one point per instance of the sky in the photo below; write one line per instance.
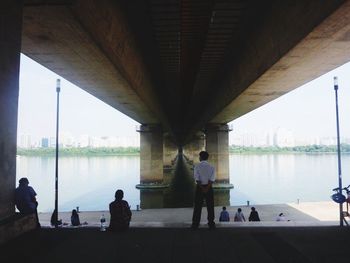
(307, 111)
(80, 112)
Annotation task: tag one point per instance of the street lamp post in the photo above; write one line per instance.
(338, 148)
(58, 89)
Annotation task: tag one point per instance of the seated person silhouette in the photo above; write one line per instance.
(54, 219)
(254, 215)
(120, 213)
(282, 217)
(224, 215)
(239, 217)
(74, 219)
(25, 199)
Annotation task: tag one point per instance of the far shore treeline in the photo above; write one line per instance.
(344, 148)
(87, 151)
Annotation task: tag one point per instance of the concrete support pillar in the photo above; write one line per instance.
(193, 148)
(10, 48)
(218, 149)
(170, 151)
(151, 156)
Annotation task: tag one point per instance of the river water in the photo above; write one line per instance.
(90, 182)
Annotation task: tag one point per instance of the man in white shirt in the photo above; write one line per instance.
(204, 174)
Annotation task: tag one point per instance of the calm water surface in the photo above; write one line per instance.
(90, 182)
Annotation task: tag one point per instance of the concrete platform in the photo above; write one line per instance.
(163, 235)
(303, 214)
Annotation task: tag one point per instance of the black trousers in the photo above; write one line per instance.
(198, 203)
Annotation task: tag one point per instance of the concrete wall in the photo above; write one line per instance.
(10, 46)
(16, 226)
(217, 147)
(151, 154)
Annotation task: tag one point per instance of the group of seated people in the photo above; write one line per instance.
(25, 200)
(119, 210)
(239, 216)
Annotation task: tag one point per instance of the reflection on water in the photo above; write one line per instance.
(181, 190)
(90, 182)
(179, 194)
(282, 178)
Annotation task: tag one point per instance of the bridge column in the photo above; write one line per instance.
(10, 48)
(192, 149)
(217, 147)
(170, 151)
(151, 156)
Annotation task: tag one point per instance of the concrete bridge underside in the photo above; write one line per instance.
(182, 68)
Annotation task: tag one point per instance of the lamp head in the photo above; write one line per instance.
(335, 79)
(58, 85)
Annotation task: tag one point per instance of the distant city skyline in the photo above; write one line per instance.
(308, 111)
(280, 137)
(66, 140)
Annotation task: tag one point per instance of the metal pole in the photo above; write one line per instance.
(58, 89)
(338, 148)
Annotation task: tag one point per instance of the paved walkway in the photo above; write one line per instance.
(303, 214)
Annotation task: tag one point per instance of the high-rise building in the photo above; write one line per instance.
(25, 141)
(52, 142)
(44, 142)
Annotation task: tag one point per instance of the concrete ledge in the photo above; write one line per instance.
(203, 225)
(222, 186)
(152, 186)
(16, 225)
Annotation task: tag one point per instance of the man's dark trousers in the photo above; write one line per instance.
(198, 203)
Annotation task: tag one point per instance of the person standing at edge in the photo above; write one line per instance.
(204, 174)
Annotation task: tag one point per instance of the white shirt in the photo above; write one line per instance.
(239, 217)
(281, 218)
(204, 172)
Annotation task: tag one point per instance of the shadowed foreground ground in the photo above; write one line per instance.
(312, 244)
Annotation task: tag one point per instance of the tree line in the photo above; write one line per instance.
(86, 151)
(345, 148)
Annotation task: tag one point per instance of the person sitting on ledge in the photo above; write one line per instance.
(254, 215)
(120, 213)
(75, 220)
(54, 219)
(239, 217)
(224, 215)
(282, 217)
(25, 199)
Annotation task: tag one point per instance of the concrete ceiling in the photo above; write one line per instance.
(186, 63)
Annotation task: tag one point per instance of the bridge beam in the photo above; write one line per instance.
(217, 147)
(10, 47)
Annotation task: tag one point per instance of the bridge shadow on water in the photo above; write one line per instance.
(181, 190)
